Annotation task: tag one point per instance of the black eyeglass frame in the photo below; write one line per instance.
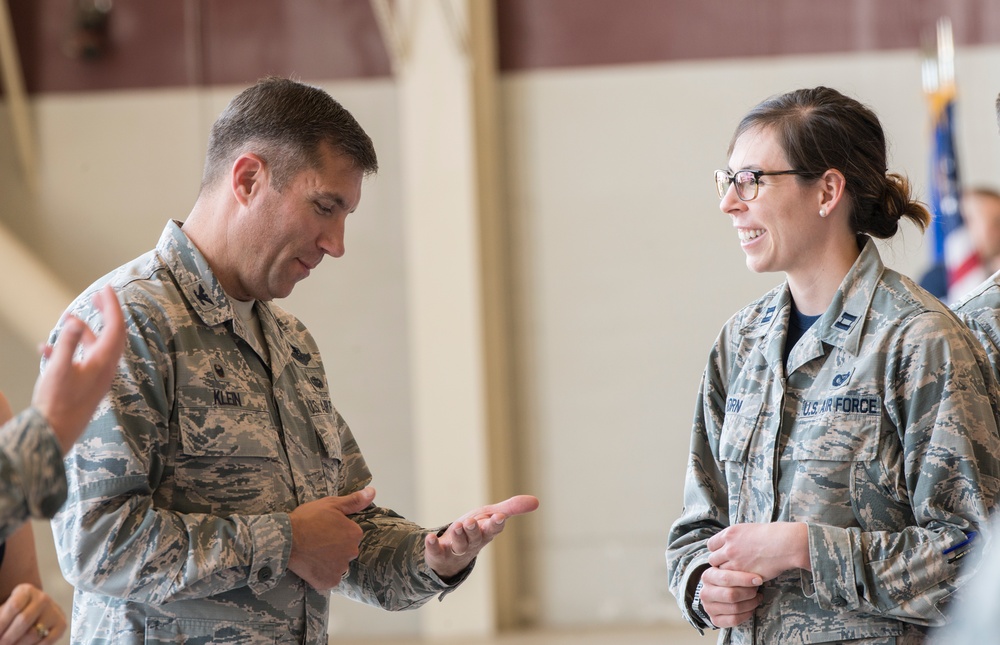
(757, 174)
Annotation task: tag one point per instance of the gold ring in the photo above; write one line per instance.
(41, 630)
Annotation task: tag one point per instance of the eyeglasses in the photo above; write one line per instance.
(746, 181)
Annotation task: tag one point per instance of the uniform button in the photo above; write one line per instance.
(264, 574)
(839, 602)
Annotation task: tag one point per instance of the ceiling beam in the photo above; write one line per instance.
(17, 98)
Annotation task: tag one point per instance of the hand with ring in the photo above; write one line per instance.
(30, 616)
(451, 551)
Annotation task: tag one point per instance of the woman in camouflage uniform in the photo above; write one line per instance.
(844, 450)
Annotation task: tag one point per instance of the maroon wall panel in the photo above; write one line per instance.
(147, 46)
(164, 43)
(567, 33)
(309, 39)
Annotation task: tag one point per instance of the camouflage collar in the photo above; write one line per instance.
(191, 271)
(770, 310)
(205, 296)
(842, 323)
(276, 335)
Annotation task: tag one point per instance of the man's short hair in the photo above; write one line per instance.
(285, 122)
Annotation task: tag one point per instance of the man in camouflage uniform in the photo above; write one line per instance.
(978, 618)
(220, 496)
(878, 438)
(32, 480)
(980, 310)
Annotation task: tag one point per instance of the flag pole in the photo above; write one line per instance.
(945, 54)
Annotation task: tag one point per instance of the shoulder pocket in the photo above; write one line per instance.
(331, 452)
(329, 438)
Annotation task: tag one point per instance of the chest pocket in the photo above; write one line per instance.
(163, 631)
(229, 452)
(848, 430)
(833, 476)
(331, 453)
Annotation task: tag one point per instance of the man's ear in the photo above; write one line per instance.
(248, 175)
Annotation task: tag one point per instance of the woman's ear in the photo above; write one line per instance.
(832, 185)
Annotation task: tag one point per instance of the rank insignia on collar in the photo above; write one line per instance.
(202, 296)
(301, 357)
(845, 322)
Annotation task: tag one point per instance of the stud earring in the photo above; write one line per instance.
(822, 212)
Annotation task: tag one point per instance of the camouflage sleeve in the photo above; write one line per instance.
(936, 398)
(390, 571)
(111, 538)
(32, 479)
(985, 325)
(987, 357)
(706, 496)
(976, 617)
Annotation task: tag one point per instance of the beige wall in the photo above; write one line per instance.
(625, 272)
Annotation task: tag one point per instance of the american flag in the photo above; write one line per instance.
(952, 246)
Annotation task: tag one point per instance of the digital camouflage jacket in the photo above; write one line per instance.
(880, 436)
(176, 528)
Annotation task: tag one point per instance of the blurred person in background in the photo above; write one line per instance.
(980, 309)
(981, 215)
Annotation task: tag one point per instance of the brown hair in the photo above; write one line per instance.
(285, 122)
(820, 129)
